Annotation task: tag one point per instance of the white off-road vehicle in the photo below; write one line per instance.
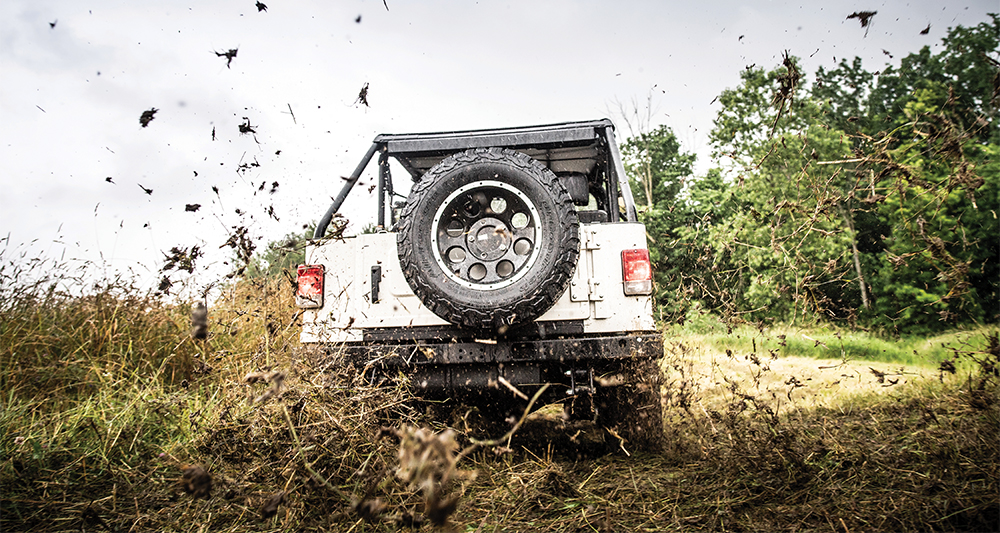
(516, 260)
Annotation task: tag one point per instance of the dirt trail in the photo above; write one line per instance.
(796, 381)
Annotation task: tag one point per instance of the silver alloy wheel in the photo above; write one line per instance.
(484, 235)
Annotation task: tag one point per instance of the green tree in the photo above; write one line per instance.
(656, 165)
(940, 263)
(282, 256)
(657, 169)
(964, 73)
(707, 276)
(865, 197)
(791, 238)
(933, 165)
(843, 94)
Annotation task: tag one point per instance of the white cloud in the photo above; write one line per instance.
(435, 65)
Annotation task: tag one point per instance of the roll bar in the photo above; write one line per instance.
(339, 200)
(547, 137)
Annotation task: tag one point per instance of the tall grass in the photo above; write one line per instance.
(83, 369)
(106, 399)
(101, 381)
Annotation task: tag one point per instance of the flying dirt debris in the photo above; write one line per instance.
(181, 259)
(243, 245)
(52, 25)
(110, 180)
(427, 462)
(91, 517)
(145, 190)
(265, 376)
(270, 507)
(788, 82)
(192, 208)
(229, 55)
(275, 378)
(196, 481)
(147, 116)
(246, 128)
(261, 7)
(926, 30)
(369, 510)
(363, 96)
(199, 322)
(865, 17)
(244, 167)
(165, 283)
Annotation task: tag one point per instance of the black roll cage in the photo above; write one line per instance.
(551, 144)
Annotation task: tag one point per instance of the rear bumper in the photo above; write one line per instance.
(544, 350)
(478, 365)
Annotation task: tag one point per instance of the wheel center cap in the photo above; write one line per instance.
(489, 239)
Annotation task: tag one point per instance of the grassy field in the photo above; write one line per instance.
(113, 418)
(826, 342)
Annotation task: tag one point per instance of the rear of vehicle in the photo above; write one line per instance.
(516, 260)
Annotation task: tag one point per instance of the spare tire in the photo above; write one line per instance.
(488, 239)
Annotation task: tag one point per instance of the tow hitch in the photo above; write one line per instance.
(580, 405)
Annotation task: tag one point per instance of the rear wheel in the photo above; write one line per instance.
(489, 238)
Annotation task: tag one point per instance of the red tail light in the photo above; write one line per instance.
(637, 272)
(309, 294)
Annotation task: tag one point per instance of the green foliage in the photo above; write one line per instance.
(282, 256)
(843, 95)
(787, 236)
(963, 73)
(91, 374)
(865, 198)
(940, 263)
(656, 165)
(765, 103)
(940, 174)
(49, 337)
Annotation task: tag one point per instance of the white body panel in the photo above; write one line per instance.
(595, 296)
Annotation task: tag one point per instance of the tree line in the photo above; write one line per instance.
(869, 198)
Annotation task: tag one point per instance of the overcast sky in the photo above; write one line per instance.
(75, 77)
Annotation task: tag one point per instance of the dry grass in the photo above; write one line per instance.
(107, 401)
(839, 447)
(791, 382)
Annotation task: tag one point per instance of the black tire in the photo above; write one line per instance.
(488, 239)
(633, 409)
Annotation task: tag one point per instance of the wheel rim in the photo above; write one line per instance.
(485, 235)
